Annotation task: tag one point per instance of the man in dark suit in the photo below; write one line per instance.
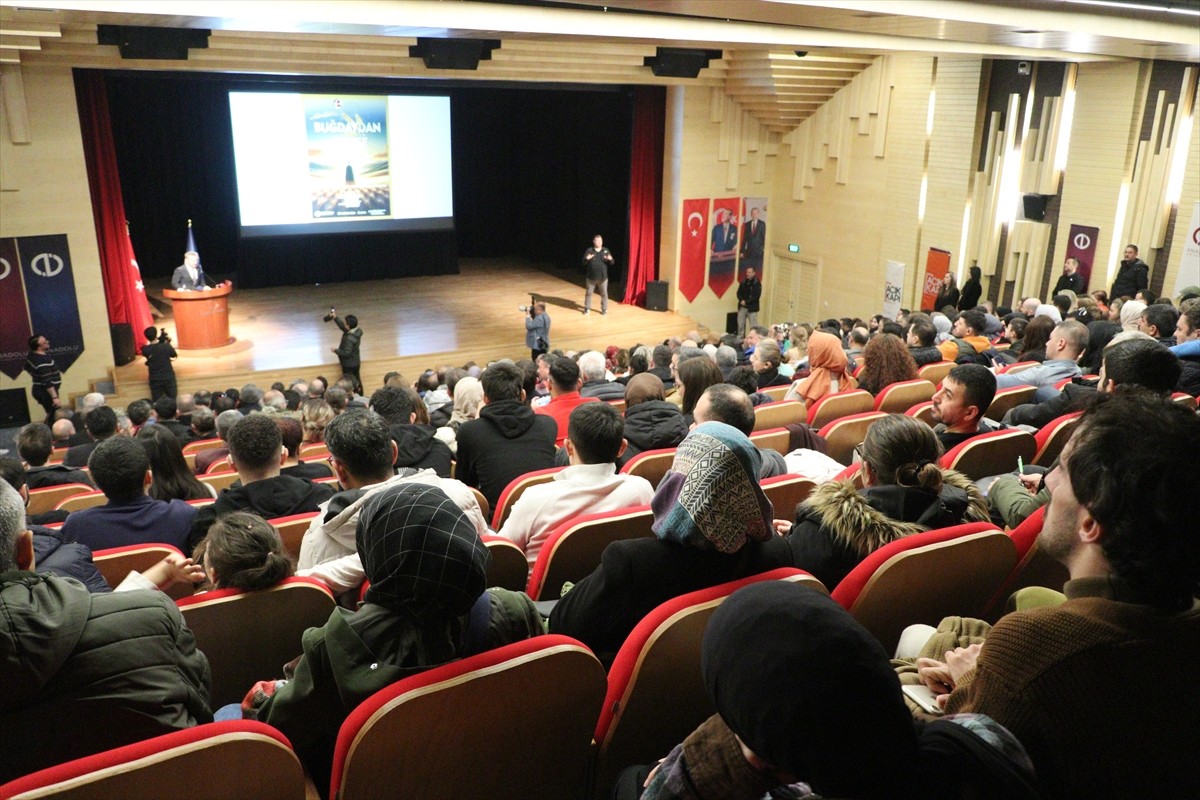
(190, 276)
(754, 240)
(724, 237)
(1070, 279)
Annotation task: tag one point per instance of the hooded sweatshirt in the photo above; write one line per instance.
(506, 441)
(127, 654)
(418, 448)
(280, 496)
(652, 425)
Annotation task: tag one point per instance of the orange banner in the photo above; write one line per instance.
(937, 264)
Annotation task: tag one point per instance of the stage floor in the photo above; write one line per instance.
(409, 325)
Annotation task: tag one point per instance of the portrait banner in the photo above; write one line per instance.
(754, 235)
(722, 258)
(692, 250)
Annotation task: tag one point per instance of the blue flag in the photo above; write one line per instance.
(191, 248)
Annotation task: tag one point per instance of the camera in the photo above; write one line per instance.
(329, 317)
(163, 336)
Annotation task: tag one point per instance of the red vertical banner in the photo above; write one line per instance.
(1081, 245)
(693, 247)
(937, 264)
(15, 328)
(722, 258)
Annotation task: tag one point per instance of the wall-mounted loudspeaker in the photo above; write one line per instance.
(164, 44)
(679, 62)
(1035, 207)
(453, 53)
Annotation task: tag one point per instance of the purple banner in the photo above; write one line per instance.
(14, 322)
(50, 292)
(1081, 245)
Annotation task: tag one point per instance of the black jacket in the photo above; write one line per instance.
(603, 390)
(771, 377)
(347, 351)
(1075, 283)
(637, 575)
(1189, 379)
(749, 291)
(652, 425)
(52, 555)
(925, 355)
(1132, 277)
(839, 525)
(969, 297)
(55, 475)
(280, 496)
(506, 441)
(418, 448)
(81, 673)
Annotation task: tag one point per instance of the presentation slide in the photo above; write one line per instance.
(337, 163)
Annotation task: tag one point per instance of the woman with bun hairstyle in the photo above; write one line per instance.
(904, 492)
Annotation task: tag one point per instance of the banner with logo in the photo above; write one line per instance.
(937, 264)
(1189, 266)
(693, 246)
(37, 293)
(722, 259)
(893, 289)
(1081, 245)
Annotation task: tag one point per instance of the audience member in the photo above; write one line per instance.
(904, 492)
(1159, 321)
(292, 436)
(61, 431)
(712, 524)
(172, 479)
(766, 360)
(1127, 539)
(828, 375)
(34, 446)
(224, 424)
(1130, 314)
(1187, 347)
(427, 567)
(967, 341)
(591, 484)
(921, 345)
(692, 379)
(256, 450)
(416, 446)
(121, 469)
(726, 403)
(564, 395)
(315, 414)
(595, 381)
(128, 656)
(885, 361)
(651, 423)
(1067, 343)
(243, 551)
(959, 406)
(363, 453)
(164, 413)
(249, 399)
(507, 440)
(101, 424)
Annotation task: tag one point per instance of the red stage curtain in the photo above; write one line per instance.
(645, 190)
(123, 287)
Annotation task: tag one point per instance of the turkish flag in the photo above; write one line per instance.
(131, 305)
(693, 248)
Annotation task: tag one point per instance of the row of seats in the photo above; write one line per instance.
(582, 722)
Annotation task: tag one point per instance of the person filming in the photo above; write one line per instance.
(159, 353)
(537, 329)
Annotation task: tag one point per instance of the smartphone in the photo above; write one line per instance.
(923, 696)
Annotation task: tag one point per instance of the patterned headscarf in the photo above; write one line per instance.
(710, 498)
(420, 553)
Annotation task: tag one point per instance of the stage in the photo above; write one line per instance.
(409, 325)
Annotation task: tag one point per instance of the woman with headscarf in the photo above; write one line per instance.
(827, 371)
(806, 697)
(712, 524)
(1131, 312)
(942, 325)
(651, 423)
(904, 492)
(427, 567)
(468, 399)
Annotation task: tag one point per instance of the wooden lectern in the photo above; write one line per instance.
(201, 318)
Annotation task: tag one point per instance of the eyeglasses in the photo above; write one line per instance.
(858, 452)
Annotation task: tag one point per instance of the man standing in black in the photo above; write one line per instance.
(1132, 277)
(748, 294)
(46, 377)
(158, 353)
(347, 349)
(596, 260)
(1070, 279)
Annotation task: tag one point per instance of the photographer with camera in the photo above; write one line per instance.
(347, 349)
(537, 329)
(159, 353)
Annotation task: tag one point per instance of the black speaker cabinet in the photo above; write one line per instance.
(731, 325)
(1035, 207)
(656, 295)
(122, 343)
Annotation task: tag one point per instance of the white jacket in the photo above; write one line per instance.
(328, 551)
